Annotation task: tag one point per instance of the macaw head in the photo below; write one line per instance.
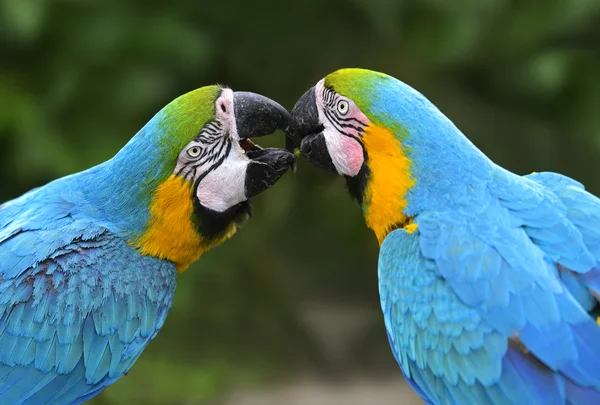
(398, 152)
(209, 133)
(195, 168)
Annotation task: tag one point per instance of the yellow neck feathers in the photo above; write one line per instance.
(385, 193)
(171, 235)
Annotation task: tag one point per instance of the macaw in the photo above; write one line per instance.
(88, 262)
(489, 281)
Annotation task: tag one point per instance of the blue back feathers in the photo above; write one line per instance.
(490, 300)
(77, 304)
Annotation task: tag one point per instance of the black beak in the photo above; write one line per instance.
(307, 132)
(256, 115)
(267, 166)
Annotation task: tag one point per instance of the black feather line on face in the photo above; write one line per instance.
(214, 148)
(216, 164)
(357, 184)
(340, 126)
(212, 224)
(340, 122)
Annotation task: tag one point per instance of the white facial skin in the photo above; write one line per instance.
(216, 158)
(344, 124)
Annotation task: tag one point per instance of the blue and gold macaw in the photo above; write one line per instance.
(88, 262)
(489, 281)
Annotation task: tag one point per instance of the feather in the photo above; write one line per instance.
(49, 344)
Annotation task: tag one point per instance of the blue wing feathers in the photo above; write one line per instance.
(77, 304)
(102, 369)
(45, 354)
(94, 346)
(11, 380)
(582, 209)
(417, 388)
(68, 355)
(524, 381)
(494, 308)
(578, 289)
(116, 367)
(581, 396)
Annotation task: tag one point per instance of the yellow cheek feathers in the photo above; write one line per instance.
(385, 194)
(171, 234)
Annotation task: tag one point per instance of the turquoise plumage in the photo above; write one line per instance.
(78, 304)
(467, 298)
(489, 281)
(81, 293)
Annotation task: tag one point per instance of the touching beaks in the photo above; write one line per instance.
(257, 115)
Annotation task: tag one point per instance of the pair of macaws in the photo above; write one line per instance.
(489, 281)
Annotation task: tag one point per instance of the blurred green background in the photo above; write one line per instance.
(288, 309)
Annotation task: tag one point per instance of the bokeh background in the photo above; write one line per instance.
(287, 312)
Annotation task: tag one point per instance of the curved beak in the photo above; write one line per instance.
(255, 116)
(307, 132)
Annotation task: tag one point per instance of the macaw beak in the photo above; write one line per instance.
(255, 116)
(307, 132)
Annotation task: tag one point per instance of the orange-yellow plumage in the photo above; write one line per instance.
(385, 194)
(171, 233)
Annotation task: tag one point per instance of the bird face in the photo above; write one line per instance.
(343, 125)
(329, 129)
(226, 167)
(212, 169)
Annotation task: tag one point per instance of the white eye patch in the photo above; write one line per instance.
(343, 124)
(224, 186)
(215, 160)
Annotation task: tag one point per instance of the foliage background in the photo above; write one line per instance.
(295, 293)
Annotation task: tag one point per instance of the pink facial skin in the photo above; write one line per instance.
(346, 153)
(342, 134)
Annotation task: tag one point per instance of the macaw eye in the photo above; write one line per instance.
(194, 151)
(343, 107)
